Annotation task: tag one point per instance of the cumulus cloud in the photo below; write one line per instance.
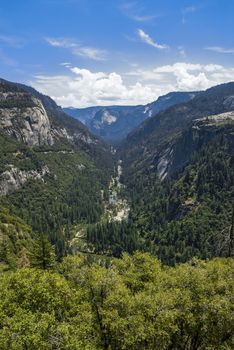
(187, 76)
(83, 88)
(148, 40)
(78, 49)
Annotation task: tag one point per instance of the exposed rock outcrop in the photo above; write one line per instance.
(178, 153)
(229, 102)
(72, 137)
(13, 178)
(24, 117)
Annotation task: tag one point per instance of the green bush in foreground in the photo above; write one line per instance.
(135, 303)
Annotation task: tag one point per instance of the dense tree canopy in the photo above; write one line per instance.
(134, 303)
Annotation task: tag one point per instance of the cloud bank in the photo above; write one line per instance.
(83, 88)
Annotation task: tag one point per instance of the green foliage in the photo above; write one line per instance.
(19, 155)
(42, 254)
(56, 186)
(39, 310)
(69, 193)
(113, 238)
(190, 213)
(135, 303)
(15, 238)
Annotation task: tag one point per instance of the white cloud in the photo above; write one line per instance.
(187, 76)
(136, 12)
(90, 52)
(65, 43)
(78, 49)
(85, 88)
(82, 87)
(185, 80)
(145, 18)
(148, 40)
(220, 49)
(66, 64)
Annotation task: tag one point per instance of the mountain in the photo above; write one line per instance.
(115, 122)
(52, 169)
(171, 179)
(178, 169)
(151, 142)
(85, 115)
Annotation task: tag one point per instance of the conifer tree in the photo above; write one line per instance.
(42, 255)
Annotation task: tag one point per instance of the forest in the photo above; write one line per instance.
(130, 303)
(188, 214)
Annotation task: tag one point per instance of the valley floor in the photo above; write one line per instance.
(116, 209)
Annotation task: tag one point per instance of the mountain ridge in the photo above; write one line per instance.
(113, 123)
(150, 137)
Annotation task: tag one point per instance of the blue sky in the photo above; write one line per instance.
(90, 52)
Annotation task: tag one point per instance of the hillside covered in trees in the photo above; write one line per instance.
(178, 176)
(52, 170)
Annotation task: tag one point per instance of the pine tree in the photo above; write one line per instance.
(43, 255)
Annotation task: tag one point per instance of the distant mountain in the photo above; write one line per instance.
(115, 122)
(85, 115)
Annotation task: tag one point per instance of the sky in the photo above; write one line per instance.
(116, 52)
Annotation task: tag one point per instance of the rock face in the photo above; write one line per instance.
(72, 137)
(106, 118)
(229, 102)
(35, 119)
(14, 178)
(24, 117)
(160, 143)
(178, 154)
(41, 127)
